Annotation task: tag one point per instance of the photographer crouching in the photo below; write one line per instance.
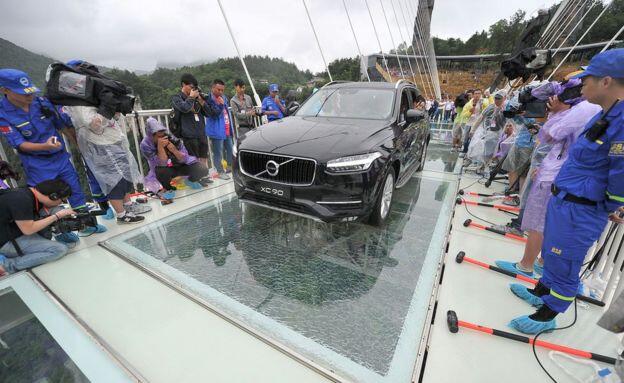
(21, 245)
(168, 158)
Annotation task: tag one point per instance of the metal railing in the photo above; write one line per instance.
(609, 268)
(134, 125)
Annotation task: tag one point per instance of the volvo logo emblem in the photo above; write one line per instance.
(272, 168)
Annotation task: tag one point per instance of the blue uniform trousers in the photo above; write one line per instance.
(96, 191)
(39, 169)
(570, 230)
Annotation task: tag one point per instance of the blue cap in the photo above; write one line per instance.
(609, 63)
(75, 62)
(17, 81)
(273, 88)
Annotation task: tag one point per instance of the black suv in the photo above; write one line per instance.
(340, 156)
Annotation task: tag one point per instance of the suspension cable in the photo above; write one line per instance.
(574, 28)
(403, 40)
(555, 20)
(427, 52)
(317, 40)
(564, 17)
(396, 53)
(383, 57)
(613, 39)
(411, 37)
(426, 84)
(569, 21)
(240, 56)
(355, 38)
(579, 40)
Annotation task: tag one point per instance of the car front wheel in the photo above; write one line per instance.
(384, 201)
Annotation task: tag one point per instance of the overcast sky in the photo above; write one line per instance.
(139, 34)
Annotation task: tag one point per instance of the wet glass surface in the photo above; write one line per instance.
(440, 158)
(28, 353)
(347, 287)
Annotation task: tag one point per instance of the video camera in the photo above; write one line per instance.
(84, 85)
(77, 222)
(7, 172)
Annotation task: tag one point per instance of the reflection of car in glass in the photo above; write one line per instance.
(339, 157)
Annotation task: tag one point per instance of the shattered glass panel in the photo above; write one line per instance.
(28, 353)
(348, 296)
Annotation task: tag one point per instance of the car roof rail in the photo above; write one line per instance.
(399, 82)
(335, 82)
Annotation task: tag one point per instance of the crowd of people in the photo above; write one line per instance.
(35, 128)
(564, 166)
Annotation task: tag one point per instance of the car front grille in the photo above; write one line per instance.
(292, 170)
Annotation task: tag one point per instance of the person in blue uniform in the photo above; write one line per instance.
(32, 125)
(272, 106)
(587, 191)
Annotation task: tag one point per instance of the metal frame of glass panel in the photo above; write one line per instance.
(93, 360)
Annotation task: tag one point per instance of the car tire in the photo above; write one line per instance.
(381, 211)
(423, 155)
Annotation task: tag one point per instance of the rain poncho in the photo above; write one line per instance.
(485, 139)
(150, 152)
(104, 146)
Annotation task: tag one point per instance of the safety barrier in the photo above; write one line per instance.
(134, 125)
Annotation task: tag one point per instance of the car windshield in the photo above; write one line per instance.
(374, 104)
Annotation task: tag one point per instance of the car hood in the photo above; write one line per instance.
(317, 137)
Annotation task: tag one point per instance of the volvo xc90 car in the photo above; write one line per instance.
(339, 157)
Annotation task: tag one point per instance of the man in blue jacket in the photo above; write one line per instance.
(272, 106)
(588, 188)
(219, 128)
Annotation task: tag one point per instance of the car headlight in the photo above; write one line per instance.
(357, 163)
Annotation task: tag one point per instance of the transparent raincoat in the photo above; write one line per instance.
(104, 146)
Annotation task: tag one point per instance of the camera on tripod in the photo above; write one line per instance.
(77, 222)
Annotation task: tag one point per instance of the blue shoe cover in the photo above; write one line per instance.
(169, 194)
(193, 185)
(513, 267)
(526, 325)
(521, 291)
(94, 230)
(538, 269)
(67, 237)
(110, 214)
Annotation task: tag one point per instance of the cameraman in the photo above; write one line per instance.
(32, 126)
(168, 158)
(20, 245)
(190, 109)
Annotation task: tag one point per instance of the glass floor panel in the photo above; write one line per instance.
(28, 353)
(348, 296)
(440, 158)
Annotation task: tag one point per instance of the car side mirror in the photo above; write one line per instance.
(293, 109)
(414, 115)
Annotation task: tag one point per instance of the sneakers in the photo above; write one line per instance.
(194, 185)
(168, 194)
(509, 229)
(137, 208)
(206, 181)
(130, 217)
(513, 267)
(93, 230)
(110, 214)
(513, 201)
(224, 176)
(70, 237)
